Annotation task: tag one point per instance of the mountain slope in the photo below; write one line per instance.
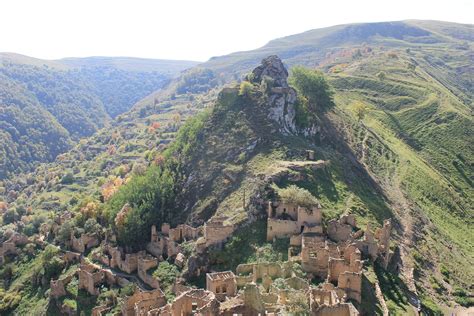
(80, 96)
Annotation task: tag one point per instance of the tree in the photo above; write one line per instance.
(360, 110)
(68, 178)
(313, 85)
(10, 216)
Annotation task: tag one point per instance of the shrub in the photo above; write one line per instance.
(167, 274)
(298, 196)
(382, 75)
(52, 264)
(246, 89)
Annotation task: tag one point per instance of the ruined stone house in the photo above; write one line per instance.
(287, 220)
(222, 284)
(141, 303)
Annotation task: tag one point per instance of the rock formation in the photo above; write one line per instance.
(281, 98)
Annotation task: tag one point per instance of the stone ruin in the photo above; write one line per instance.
(217, 231)
(222, 284)
(10, 247)
(84, 242)
(166, 241)
(58, 287)
(290, 220)
(92, 275)
(144, 264)
(197, 302)
(327, 300)
(143, 302)
(333, 254)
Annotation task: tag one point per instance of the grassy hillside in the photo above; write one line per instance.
(73, 98)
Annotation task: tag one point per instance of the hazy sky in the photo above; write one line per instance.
(194, 29)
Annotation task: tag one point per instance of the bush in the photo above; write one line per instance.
(10, 216)
(298, 196)
(246, 89)
(167, 274)
(52, 264)
(382, 75)
(430, 308)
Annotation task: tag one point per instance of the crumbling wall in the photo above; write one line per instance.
(145, 264)
(285, 209)
(277, 228)
(195, 301)
(216, 231)
(141, 302)
(341, 309)
(351, 283)
(90, 276)
(84, 242)
(184, 232)
(309, 216)
(265, 269)
(315, 257)
(58, 287)
(338, 231)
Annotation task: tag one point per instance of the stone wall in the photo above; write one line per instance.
(90, 276)
(341, 309)
(312, 216)
(10, 246)
(127, 263)
(84, 242)
(315, 256)
(216, 231)
(338, 231)
(277, 228)
(266, 269)
(58, 287)
(351, 283)
(145, 264)
(184, 232)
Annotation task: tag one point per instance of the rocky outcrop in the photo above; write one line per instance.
(281, 98)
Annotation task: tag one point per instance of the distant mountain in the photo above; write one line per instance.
(46, 105)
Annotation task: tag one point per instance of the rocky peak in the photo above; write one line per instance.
(280, 97)
(271, 67)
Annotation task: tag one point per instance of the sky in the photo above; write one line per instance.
(193, 29)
